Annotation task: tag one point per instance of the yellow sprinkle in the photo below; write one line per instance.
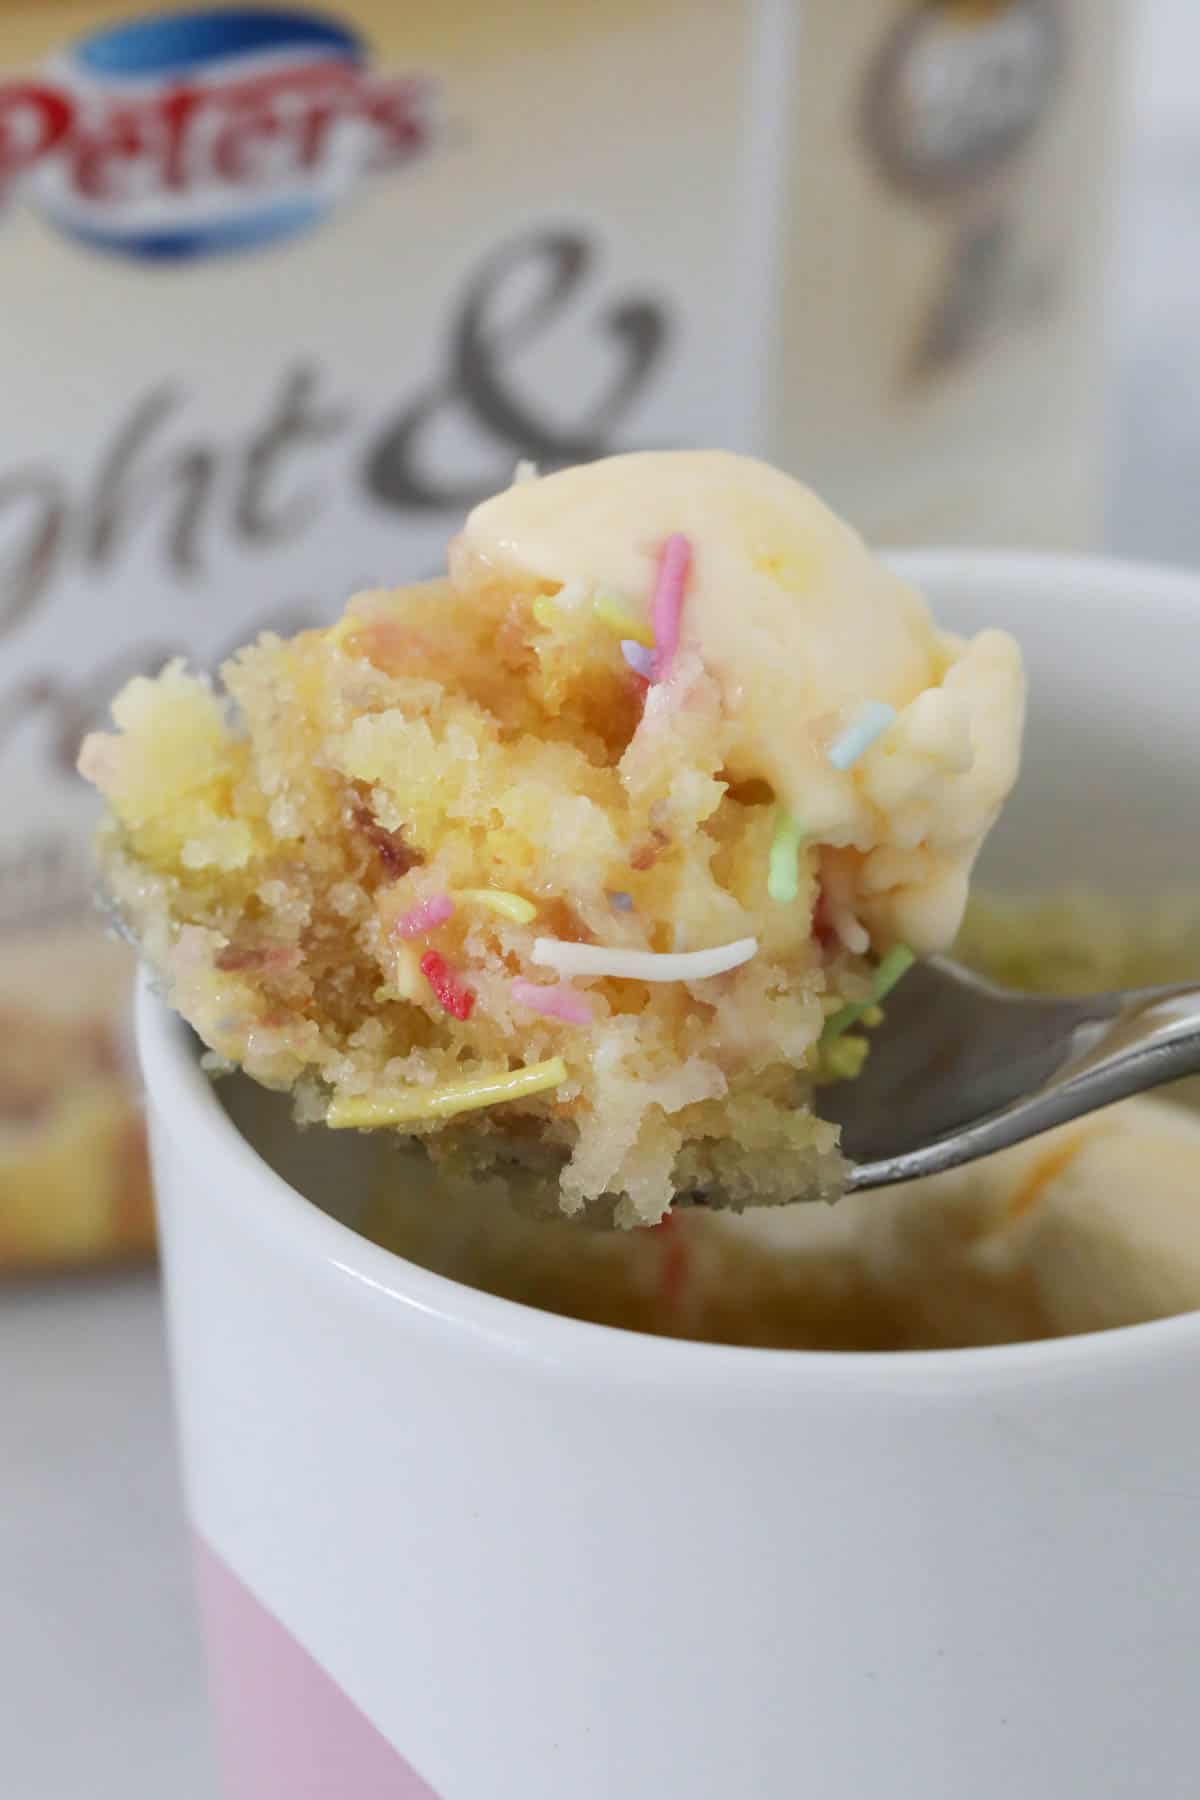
(843, 1059)
(499, 900)
(545, 613)
(406, 978)
(366, 1113)
(894, 966)
(611, 612)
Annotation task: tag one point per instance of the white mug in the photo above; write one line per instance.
(451, 1546)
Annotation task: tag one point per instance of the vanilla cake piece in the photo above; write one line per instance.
(592, 859)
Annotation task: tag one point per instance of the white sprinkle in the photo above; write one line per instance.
(850, 930)
(839, 898)
(642, 965)
(874, 718)
(524, 471)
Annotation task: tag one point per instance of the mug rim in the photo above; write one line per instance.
(182, 1096)
(1126, 584)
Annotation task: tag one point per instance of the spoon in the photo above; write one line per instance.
(962, 1068)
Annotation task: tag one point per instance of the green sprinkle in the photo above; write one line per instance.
(783, 866)
(895, 965)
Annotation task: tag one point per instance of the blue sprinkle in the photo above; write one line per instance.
(638, 657)
(874, 718)
(621, 902)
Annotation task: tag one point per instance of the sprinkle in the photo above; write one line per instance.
(456, 999)
(609, 611)
(641, 660)
(644, 856)
(404, 976)
(673, 1271)
(355, 1113)
(874, 718)
(524, 471)
(839, 909)
(842, 1059)
(894, 966)
(667, 605)
(642, 965)
(426, 916)
(499, 900)
(892, 969)
(783, 870)
(621, 901)
(558, 1002)
(849, 928)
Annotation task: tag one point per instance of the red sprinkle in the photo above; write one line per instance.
(645, 855)
(673, 1270)
(457, 999)
(822, 922)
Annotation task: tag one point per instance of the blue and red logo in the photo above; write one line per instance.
(197, 133)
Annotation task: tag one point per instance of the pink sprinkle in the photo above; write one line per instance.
(426, 916)
(673, 567)
(558, 1002)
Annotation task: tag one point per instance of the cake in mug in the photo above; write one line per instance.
(592, 859)
(1090, 1227)
(1087, 1228)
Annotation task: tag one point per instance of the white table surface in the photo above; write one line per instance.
(101, 1686)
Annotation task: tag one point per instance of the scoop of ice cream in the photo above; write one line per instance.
(803, 628)
(1089, 1227)
(1109, 1220)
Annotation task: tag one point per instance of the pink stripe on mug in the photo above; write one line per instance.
(285, 1730)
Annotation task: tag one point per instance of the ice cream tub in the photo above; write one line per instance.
(453, 1546)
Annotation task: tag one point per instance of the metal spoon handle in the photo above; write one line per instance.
(1125, 1045)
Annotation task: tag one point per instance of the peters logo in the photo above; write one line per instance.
(206, 132)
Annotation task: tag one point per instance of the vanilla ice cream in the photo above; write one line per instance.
(802, 627)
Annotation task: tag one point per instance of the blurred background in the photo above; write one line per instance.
(941, 258)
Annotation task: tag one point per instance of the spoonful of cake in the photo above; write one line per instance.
(599, 856)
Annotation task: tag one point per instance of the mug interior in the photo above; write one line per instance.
(1108, 795)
